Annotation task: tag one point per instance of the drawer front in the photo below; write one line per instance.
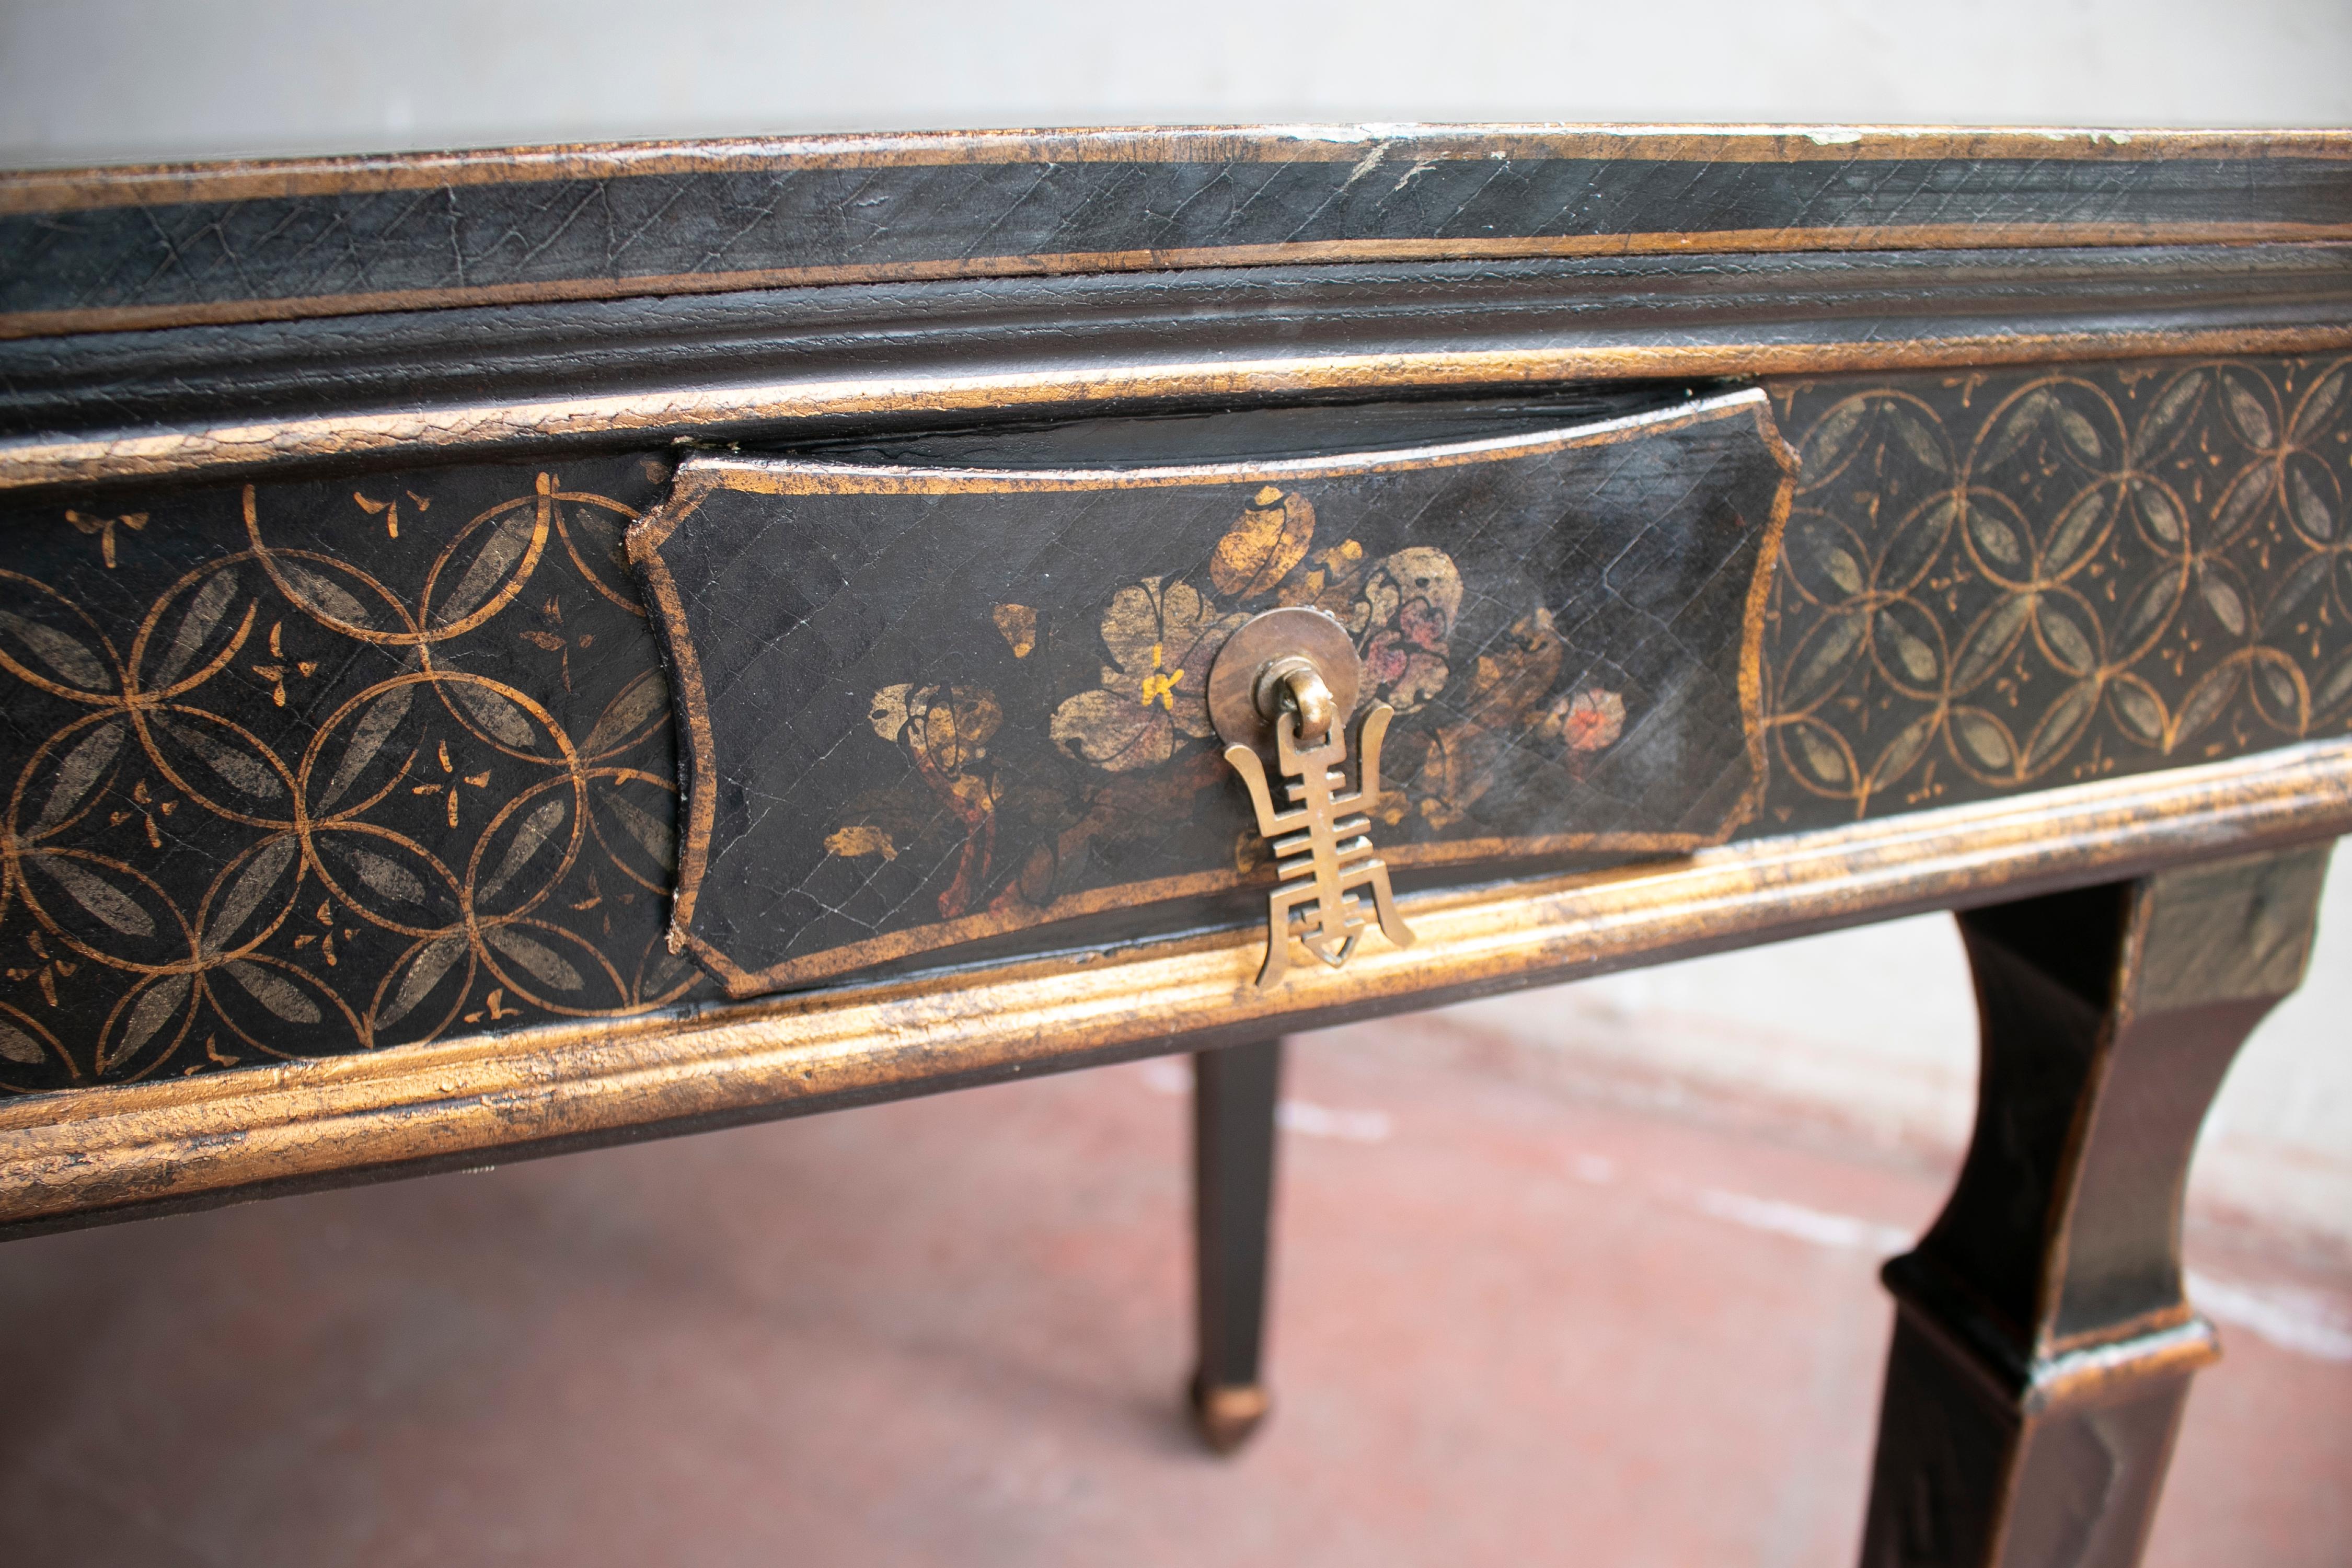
(925, 708)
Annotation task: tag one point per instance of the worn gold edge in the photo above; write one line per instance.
(2079, 1377)
(1756, 612)
(1762, 241)
(2172, 1341)
(36, 460)
(696, 746)
(99, 1148)
(61, 190)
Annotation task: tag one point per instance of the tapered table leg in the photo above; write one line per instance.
(2043, 1343)
(1234, 1095)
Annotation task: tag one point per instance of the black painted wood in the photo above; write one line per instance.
(1235, 1092)
(390, 234)
(140, 382)
(2045, 1343)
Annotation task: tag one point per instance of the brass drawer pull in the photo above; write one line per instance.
(1291, 676)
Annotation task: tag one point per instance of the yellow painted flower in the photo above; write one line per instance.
(1161, 637)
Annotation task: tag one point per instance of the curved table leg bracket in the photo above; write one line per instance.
(2044, 1345)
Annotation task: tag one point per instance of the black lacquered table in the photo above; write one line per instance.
(506, 652)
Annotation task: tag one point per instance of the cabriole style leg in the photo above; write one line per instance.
(2042, 1343)
(1233, 1093)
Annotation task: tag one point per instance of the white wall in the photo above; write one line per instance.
(1871, 1026)
(82, 79)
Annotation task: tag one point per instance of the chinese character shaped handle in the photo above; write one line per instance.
(1280, 692)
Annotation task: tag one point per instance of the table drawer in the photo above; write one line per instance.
(925, 707)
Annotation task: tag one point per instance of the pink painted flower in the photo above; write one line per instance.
(1588, 721)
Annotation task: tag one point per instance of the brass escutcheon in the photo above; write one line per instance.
(1281, 691)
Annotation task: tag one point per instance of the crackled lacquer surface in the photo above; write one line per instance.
(77, 251)
(313, 768)
(390, 758)
(931, 710)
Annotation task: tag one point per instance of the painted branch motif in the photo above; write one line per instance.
(1149, 706)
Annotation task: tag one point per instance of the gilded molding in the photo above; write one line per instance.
(713, 414)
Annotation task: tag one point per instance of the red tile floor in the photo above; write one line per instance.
(1512, 1324)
